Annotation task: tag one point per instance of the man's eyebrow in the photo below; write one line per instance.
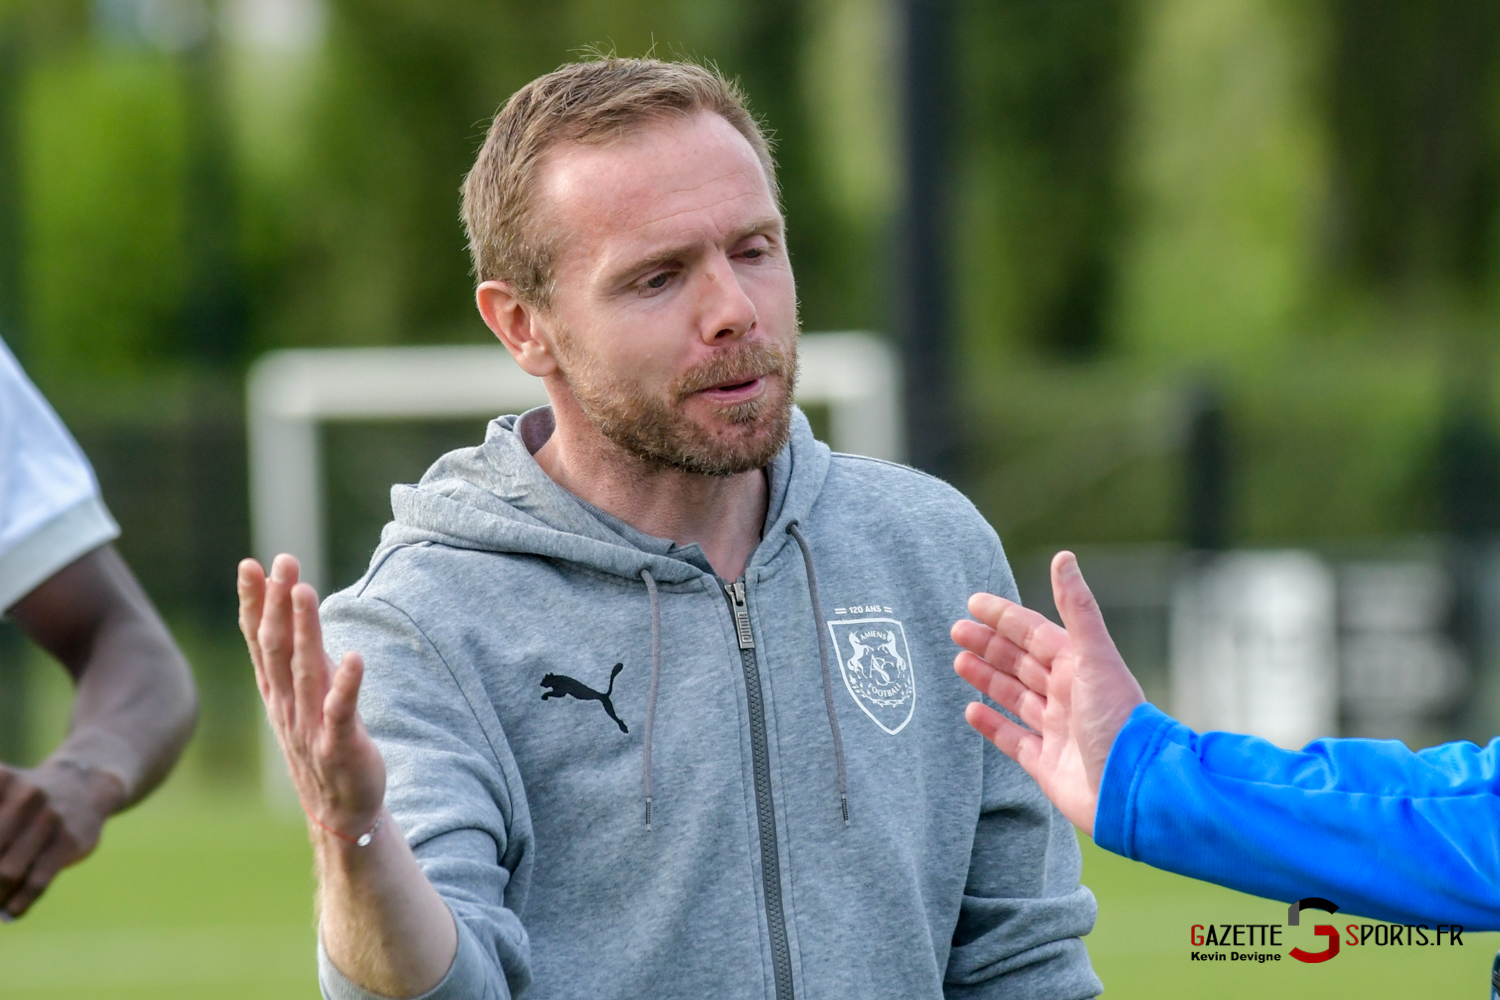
(770, 224)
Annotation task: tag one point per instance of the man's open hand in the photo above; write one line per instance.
(335, 766)
(49, 818)
(382, 922)
(1070, 687)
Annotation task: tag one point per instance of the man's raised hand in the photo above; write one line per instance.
(1071, 688)
(335, 766)
(382, 923)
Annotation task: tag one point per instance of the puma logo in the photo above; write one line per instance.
(563, 686)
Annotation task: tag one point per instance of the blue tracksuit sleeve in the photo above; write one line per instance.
(1380, 830)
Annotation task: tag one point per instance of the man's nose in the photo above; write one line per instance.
(728, 313)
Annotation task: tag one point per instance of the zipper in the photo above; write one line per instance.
(736, 592)
(770, 853)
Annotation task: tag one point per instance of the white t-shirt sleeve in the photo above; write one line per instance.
(50, 508)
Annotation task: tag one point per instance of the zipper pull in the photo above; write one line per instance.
(736, 592)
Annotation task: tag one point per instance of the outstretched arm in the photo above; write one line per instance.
(382, 922)
(1070, 687)
(132, 715)
(1385, 832)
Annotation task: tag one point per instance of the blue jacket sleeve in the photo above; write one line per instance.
(1382, 831)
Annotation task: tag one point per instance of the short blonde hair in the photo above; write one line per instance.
(597, 101)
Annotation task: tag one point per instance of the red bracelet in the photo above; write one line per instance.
(363, 840)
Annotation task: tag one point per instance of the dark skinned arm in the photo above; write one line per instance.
(133, 713)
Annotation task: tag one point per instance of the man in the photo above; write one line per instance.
(1380, 830)
(70, 591)
(650, 678)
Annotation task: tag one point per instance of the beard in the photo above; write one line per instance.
(658, 430)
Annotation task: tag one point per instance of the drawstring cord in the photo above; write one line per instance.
(655, 685)
(823, 658)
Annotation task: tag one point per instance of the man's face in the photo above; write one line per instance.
(674, 314)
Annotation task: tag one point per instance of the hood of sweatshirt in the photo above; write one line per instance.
(496, 498)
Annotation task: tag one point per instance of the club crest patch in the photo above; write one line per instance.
(876, 664)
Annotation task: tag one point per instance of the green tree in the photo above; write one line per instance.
(374, 251)
(1415, 128)
(1044, 90)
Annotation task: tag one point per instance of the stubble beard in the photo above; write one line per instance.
(657, 429)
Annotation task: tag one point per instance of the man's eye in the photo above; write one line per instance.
(753, 253)
(659, 280)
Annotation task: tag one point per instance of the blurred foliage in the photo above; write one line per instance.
(370, 247)
(1297, 201)
(1332, 441)
(1224, 173)
(106, 264)
(1044, 110)
(1415, 128)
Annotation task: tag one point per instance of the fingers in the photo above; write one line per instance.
(339, 708)
(352, 762)
(309, 662)
(250, 584)
(52, 859)
(19, 858)
(1028, 705)
(1080, 612)
(275, 637)
(20, 801)
(1022, 626)
(1016, 743)
(1002, 654)
(981, 640)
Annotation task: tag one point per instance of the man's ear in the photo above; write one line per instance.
(519, 325)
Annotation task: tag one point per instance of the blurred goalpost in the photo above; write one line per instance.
(291, 393)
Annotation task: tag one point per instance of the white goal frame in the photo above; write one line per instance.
(291, 393)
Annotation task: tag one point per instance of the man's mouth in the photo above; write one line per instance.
(748, 373)
(736, 389)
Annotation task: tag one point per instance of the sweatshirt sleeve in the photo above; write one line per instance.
(51, 512)
(1385, 832)
(1023, 911)
(453, 789)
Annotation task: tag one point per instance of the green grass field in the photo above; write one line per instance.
(194, 896)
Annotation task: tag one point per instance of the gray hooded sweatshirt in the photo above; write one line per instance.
(626, 780)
